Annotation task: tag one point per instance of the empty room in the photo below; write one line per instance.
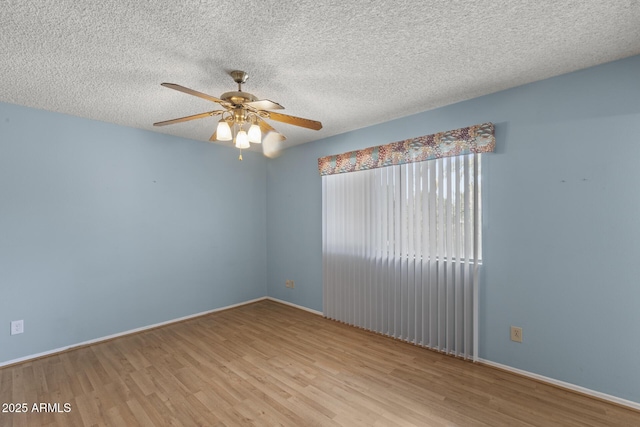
(411, 213)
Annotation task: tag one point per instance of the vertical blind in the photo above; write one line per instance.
(401, 251)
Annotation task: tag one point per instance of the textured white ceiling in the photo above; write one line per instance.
(349, 64)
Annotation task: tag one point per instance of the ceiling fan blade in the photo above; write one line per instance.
(193, 92)
(264, 104)
(186, 119)
(214, 136)
(265, 128)
(296, 121)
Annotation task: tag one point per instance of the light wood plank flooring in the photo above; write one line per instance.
(270, 364)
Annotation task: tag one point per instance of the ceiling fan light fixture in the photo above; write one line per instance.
(223, 131)
(242, 141)
(255, 135)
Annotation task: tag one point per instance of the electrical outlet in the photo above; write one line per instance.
(516, 334)
(17, 327)
(290, 284)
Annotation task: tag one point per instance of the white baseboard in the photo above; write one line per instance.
(120, 334)
(562, 384)
(310, 310)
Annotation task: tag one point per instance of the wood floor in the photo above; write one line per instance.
(270, 364)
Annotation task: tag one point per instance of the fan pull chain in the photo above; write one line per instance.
(240, 157)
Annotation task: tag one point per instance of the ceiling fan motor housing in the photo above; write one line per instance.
(238, 98)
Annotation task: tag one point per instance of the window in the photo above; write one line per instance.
(402, 248)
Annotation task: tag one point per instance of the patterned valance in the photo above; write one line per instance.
(472, 139)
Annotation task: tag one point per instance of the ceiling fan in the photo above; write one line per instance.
(242, 119)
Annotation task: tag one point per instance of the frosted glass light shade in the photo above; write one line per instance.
(223, 132)
(242, 141)
(254, 134)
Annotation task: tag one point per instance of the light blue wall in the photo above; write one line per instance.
(105, 228)
(561, 222)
